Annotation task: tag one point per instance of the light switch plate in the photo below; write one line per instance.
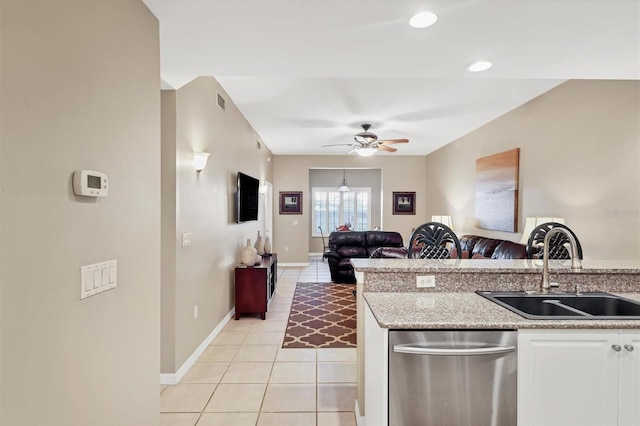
(186, 239)
(98, 277)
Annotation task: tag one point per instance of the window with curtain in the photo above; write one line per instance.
(332, 208)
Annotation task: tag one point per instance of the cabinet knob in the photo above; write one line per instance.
(616, 348)
(629, 348)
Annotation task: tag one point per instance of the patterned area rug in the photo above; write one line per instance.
(323, 315)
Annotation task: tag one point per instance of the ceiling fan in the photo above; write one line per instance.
(367, 143)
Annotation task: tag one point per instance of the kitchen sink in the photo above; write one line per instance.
(581, 306)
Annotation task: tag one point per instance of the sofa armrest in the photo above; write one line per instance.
(389, 252)
(331, 254)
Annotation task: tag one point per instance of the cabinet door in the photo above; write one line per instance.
(567, 377)
(629, 378)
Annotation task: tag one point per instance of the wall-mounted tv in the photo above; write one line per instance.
(247, 198)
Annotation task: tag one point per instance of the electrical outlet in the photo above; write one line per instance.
(286, 249)
(425, 281)
(195, 312)
(186, 239)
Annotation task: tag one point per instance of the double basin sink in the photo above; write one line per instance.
(580, 306)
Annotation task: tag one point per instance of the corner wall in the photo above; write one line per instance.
(579, 159)
(80, 89)
(203, 206)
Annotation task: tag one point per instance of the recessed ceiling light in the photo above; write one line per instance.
(423, 20)
(479, 66)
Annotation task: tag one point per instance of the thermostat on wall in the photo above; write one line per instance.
(90, 184)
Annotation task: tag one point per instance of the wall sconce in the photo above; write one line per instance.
(200, 160)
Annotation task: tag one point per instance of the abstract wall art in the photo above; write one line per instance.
(497, 191)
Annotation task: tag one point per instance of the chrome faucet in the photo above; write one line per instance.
(575, 259)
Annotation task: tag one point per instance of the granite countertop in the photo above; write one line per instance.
(466, 310)
(491, 265)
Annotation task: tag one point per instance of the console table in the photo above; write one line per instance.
(255, 286)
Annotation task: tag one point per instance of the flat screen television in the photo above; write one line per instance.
(247, 198)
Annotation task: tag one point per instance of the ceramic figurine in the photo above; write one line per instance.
(259, 245)
(267, 245)
(248, 254)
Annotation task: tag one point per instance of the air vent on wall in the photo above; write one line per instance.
(221, 101)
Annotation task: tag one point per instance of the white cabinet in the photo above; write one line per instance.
(577, 377)
(629, 378)
(376, 362)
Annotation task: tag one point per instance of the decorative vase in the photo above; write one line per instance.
(248, 254)
(259, 245)
(267, 245)
(258, 259)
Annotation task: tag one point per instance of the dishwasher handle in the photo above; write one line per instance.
(416, 350)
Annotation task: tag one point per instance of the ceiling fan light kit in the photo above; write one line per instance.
(366, 152)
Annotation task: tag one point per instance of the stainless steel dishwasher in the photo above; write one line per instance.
(452, 378)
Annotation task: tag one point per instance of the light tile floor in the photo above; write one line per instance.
(245, 377)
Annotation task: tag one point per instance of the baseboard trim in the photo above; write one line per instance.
(294, 264)
(360, 420)
(174, 379)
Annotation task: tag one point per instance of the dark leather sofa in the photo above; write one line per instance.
(365, 244)
(477, 247)
(343, 246)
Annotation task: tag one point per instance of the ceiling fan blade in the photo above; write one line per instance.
(390, 141)
(387, 148)
(339, 144)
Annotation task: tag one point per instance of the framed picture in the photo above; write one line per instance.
(290, 202)
(404, 203)
(497, 191)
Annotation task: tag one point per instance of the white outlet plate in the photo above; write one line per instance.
(186, 239)
(195, 312)
(425, 281)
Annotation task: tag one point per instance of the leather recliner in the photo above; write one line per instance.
(343, 246)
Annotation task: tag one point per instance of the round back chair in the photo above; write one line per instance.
(557, 243)
(433, 240)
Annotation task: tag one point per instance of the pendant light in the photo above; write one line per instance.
(343, 186)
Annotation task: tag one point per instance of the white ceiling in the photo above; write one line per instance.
(308, 73)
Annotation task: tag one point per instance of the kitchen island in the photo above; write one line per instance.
(388, 299)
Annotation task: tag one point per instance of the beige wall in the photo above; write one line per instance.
(291, 173)
(579, 159)
(204, 207)
(80, 90)
(169, 243)
(1, 227)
